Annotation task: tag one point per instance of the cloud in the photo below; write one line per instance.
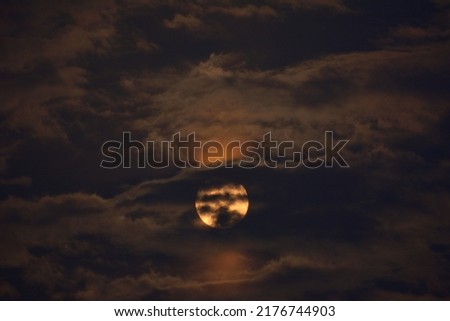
(442, 3)
(34, 112)
(245, 11)
(42, 62)
(220, 95)
(194, 19)
(153, 283)
(8, 291)
(21, 181)
(198, 16)
(180, 21)
(85, 28)
(144, 45)
(50, 208)
(334, 5)
(408, 35)
(76, 76)
(109, 252)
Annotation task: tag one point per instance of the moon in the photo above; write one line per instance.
(222, 206)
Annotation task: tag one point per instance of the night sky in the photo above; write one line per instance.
(76, 74)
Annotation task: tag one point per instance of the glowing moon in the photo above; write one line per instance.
(222, 206)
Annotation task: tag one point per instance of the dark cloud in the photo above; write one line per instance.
(222, 197)
(77, 75)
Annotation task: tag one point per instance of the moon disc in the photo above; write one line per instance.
(222, 206)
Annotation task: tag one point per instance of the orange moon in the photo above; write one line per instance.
(222, 206)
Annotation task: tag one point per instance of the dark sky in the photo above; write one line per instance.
(74, 75)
